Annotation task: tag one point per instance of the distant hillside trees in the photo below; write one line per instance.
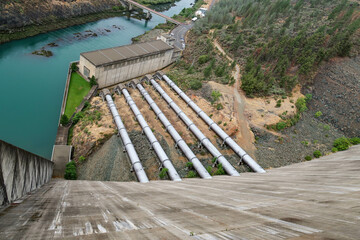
(281, 42)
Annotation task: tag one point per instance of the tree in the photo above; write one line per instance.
(64, 119)
(195, 84)
(74, 67)
(215, 94)
(93, 81)
(203, 59)
(207, 71)
(70, 171)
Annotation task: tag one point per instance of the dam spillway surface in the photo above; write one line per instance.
(318, 199)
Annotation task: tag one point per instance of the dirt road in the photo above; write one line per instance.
(239, 104)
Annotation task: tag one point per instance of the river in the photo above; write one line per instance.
(32, 86)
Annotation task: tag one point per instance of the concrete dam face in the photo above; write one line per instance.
(301, 201)
(21, 172)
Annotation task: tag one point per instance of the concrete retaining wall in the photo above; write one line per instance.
(21, 172)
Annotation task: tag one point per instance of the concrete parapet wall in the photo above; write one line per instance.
(21, 172)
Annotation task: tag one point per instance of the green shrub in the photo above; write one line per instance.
(163, 173)
(318, 114)
(64, 119)
(326, 127)
(215, 94)
(308, 97)
(281, 125)
(220, 70)
(209, 169)
(70, 171)
(189, 165)
(305, 143)
(93, 81)
(317, 154)
(74, 67)
(308, 158)
(191, 174)
(278, 104)
(301, 104)
(195, 84)
(355, 140)
(191, 70)
(203, 59)
(334, 150)
(77, 117)
(82, 159)
(207, 71)
(219, 106)
(220, 170)
(342, 143)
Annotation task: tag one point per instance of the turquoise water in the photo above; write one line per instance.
(32, 86)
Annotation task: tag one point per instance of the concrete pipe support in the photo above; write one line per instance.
(202, 138)
(226, 138)
(130, 150)
(164, 159)
(175, 135)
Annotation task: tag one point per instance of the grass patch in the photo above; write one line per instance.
(78, 89)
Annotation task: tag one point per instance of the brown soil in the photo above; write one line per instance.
(86, 136)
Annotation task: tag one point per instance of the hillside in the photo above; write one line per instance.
(20, 13)
(282, 43)
(20, 18)
(298, 86)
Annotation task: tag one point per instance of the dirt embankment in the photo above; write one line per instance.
(105, 160)
(20, 13)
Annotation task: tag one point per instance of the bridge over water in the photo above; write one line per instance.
(131, 3)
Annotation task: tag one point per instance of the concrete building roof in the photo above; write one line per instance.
(116, 54)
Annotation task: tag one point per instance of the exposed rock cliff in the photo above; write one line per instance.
(20, 13)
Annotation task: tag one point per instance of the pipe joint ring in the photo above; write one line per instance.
(147, 126)
(167, 127)
(190, 125)
(132, 165)
(179, 141)
(204, 139)
(127, 144)
(152, 144)
(165, 161)
(242, 157)
(157, 115)
(179, 113)
(225, 139)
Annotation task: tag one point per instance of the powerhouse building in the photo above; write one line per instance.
(115, 65)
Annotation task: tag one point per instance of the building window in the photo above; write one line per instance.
(86, 72)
